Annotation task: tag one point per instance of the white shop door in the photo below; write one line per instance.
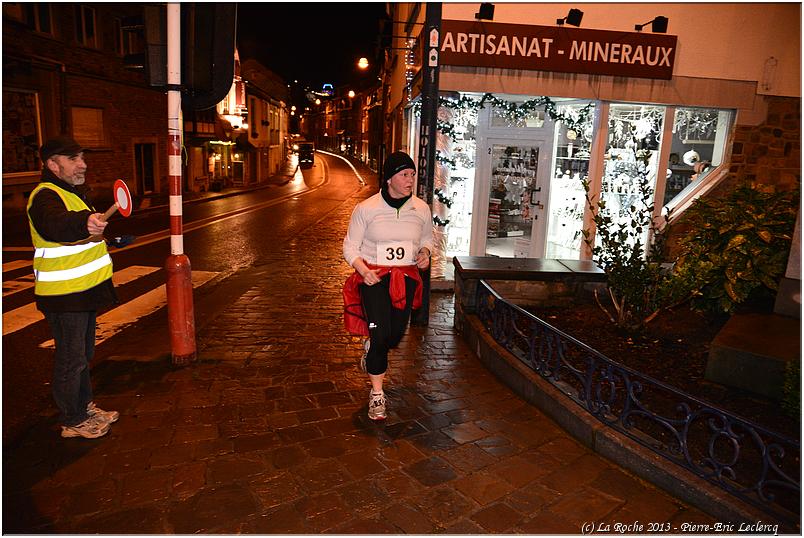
(511, 191)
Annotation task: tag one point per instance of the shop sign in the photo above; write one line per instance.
(557, 48)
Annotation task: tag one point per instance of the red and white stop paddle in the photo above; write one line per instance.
(122, 200)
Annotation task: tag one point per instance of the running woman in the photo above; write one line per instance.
(389, 240)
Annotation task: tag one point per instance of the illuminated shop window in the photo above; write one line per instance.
(697, 148)
(570, 167)
(631, 160)
(460, 185)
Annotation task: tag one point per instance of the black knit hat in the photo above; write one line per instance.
(395, 163)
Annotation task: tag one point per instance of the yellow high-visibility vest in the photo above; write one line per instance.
(64, 268)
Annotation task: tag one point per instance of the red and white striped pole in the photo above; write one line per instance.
(181, 319)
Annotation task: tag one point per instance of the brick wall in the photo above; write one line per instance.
(131, 114)
(769, 153)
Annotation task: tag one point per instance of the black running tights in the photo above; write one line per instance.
(386, 324)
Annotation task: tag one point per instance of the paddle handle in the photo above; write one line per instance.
(109, 212)
(98, 238)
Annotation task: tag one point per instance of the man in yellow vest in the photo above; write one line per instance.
(73, 274)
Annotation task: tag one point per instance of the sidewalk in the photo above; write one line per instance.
(267, 433)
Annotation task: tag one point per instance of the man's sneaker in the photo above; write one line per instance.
(376, 406)
(91, 428)
(366, 346)
(106, 416)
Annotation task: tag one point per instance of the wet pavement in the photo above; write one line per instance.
(267, 433)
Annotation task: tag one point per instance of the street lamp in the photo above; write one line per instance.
(363, 63)
(351, 94)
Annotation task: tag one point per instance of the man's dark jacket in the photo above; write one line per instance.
(55, 223)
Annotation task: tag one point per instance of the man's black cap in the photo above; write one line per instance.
(61, 145)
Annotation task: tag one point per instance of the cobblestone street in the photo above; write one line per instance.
(267, 433)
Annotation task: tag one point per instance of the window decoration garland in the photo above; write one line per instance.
(698, 122)
(511, 110)
(438, 222)
(444, 160)
(443, 198)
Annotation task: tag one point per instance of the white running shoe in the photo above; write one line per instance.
(106, 416)
(91, 428)
(376, 406)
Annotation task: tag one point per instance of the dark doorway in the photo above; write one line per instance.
(144, 156)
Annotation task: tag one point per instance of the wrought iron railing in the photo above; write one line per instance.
(746, 460)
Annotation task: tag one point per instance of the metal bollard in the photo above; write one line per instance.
(181, 318)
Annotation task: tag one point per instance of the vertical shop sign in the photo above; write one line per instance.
(427, 134)
(427, 131)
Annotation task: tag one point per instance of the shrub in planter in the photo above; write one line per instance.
(640, 284)
(737, 246)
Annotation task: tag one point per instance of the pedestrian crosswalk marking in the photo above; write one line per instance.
(23, 316)
(117, 319)
(16, 264)
(28, 314)
(18, 284)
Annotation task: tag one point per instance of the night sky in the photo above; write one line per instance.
(315, 43)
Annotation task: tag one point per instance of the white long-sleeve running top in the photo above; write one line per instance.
(375, 223)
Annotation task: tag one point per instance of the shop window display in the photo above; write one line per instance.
(630, 153)
(699, 137)
(633, 151)
(460, 187)
(571, 154)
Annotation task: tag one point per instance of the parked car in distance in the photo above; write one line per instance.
(306, 154)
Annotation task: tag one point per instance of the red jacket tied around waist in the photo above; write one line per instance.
(353, 317)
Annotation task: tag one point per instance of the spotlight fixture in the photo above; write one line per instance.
(486, 12)
(574, 18)
(658, 25)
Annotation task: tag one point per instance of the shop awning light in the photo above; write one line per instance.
(658, 25)
(486, 12)
(574, 17)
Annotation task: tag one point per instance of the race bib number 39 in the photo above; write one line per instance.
(395, 253)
